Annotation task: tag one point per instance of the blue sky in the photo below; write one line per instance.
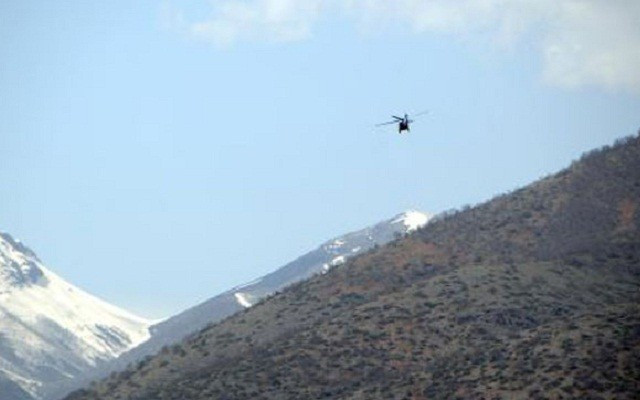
(156, 154)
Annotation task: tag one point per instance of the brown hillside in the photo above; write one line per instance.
(533, 294)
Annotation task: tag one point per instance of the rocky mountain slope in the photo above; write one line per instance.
(330, 254)
(49, 329)
(533, 294)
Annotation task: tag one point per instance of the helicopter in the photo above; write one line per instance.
(403, 122)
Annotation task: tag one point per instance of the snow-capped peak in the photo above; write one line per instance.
(330, 254)
(413, 219)
(52, 329)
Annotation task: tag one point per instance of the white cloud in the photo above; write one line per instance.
(271, 20)
(581, 42)
(594, 43)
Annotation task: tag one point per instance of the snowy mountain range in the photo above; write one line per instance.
(55, 338)
(329, 254)
(51, 331)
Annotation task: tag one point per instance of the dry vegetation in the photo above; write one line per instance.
(531, 295)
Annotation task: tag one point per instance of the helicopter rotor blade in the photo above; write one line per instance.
(398, 118)
(387, 123)
(421, 113)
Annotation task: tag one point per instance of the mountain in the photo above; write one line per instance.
(50, 330)
(330, 254)
(534, 294)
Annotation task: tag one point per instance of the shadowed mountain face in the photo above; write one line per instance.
(531, 295)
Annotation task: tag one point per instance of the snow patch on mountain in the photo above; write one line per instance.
(338, 260)
(413, 220)
(242, 299)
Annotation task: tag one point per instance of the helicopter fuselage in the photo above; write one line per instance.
(403, 126)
